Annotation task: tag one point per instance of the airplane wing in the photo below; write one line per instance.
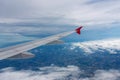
(20, 51)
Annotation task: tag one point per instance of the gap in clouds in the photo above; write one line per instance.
(8, 39)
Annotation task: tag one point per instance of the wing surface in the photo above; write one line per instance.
(21, 49)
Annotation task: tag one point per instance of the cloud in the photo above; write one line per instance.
(57, 15)
(30, 29)
(44, 73)
(76, 12)
(110, 45)
(57, 73)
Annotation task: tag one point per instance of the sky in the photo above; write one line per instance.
(22, 15)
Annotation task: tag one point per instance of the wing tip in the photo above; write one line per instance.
(78, 30)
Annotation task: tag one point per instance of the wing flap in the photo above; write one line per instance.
(23, 55)
(56, 42)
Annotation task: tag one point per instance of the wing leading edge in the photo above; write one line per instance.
(19, 51)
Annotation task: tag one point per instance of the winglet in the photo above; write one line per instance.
(78, 30)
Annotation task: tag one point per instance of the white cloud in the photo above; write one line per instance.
(87, 12)
(57, 73)
(45, 73)
(110, 45)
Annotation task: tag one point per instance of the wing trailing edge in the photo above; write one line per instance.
(23, 55)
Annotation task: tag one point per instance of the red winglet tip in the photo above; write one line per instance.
(78, 30)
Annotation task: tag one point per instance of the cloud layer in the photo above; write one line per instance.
(44, 73)
(57, 73)
(87, 12)
(109, 45)
(34, 16)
